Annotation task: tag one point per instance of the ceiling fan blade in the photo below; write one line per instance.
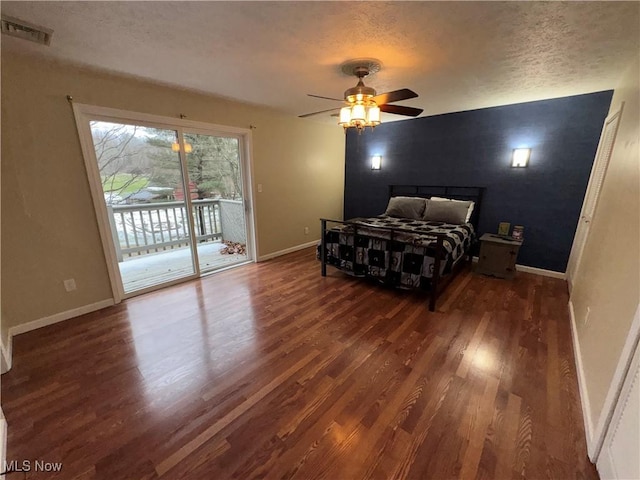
(395, 96)
(316, 113)
(401, 110)
(326, 98)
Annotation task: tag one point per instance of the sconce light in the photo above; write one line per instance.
(520, 157)
(376, 162)
(175, 146)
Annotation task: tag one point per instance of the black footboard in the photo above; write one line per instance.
(437, 281)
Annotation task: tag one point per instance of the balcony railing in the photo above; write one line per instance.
(154, 227)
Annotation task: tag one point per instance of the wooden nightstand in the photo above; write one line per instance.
(498, 256)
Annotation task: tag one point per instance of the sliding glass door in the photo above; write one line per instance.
(215, 171)
(170, 199)
(142, 184)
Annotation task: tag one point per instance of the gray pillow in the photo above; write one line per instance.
(406, 207)
(448, 212)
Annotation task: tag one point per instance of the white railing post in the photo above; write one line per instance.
(114, 232)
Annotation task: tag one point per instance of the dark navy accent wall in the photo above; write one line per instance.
(474, 149)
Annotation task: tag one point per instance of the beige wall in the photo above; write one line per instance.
(608, 280)
(49, 230)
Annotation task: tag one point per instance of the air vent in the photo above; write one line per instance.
(25, 30)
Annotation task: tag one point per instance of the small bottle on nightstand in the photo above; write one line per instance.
(518, 232)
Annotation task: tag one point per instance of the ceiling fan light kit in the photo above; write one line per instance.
(360, 116)
(363, 105)
(362, 111)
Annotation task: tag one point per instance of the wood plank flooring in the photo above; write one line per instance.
(272, 371)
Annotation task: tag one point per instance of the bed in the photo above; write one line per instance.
(421, 241)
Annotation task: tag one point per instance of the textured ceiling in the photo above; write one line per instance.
(455, 55)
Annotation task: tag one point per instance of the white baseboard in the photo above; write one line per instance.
(5, 359)
(582, 385)
(7, 350)
(279, 253)
(536, 271)
(3, 441)
(541, 271)
(59, 317)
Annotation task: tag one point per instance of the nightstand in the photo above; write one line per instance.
(498, 256)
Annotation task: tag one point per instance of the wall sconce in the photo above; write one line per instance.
(175, 146)
(376, 162)
(520, 157)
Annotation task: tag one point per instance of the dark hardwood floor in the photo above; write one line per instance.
(271, 370)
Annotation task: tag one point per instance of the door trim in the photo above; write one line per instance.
(84, 113)
(81, 115)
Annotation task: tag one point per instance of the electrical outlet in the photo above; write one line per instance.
(306, 230)
(259, 188)
(70, 285)
(586, 316)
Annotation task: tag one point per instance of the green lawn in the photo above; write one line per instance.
(118, 182)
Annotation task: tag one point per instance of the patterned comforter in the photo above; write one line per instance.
(395, 251)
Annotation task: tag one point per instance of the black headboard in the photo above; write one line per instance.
(458, 193)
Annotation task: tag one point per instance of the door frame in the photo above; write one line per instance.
(592, 195)
(84, 114)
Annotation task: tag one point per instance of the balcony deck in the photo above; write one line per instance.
(152, 269)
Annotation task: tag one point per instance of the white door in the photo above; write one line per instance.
(598, 172)
(620, 454)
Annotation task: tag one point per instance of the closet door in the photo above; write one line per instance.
(598, 172)
(620, 454)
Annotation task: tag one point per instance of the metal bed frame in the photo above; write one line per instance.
(438, 281)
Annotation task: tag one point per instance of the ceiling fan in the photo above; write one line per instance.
(363, 104)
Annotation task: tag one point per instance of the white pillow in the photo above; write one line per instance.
(469, 212)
